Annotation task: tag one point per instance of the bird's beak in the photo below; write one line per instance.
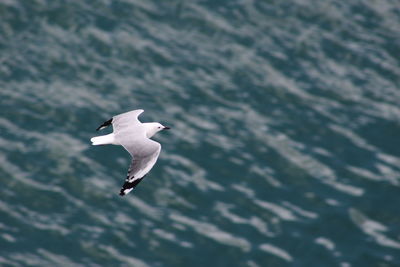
(166, 128)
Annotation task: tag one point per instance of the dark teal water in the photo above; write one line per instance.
(285, 144)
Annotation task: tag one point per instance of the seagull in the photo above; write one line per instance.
(134, 136)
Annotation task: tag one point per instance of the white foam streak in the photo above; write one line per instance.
(254, 221)
(373, 228)
(281, 212)
(325, 242)
(278, 252)
(211, 231)
(326, 175)
(132, 261)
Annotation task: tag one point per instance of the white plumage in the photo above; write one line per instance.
(134, 136)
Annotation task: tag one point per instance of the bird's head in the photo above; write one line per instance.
(154, 127)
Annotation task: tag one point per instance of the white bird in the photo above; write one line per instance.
(134, 136)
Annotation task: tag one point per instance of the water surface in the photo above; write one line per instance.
(284, 142)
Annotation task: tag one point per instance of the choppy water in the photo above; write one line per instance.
(285, 142)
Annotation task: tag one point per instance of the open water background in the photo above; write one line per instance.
(284, 148)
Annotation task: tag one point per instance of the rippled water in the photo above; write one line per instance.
(285, 142)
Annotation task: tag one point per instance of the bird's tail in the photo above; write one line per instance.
(103, 140)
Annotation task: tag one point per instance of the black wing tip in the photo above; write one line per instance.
(104, 125)
(129, 186)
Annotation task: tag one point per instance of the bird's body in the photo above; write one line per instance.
(134, 136)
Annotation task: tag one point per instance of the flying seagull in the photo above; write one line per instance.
(134, 136)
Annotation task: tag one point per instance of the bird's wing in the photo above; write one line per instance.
(144, 153)
(122, 120)
(126, 120)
